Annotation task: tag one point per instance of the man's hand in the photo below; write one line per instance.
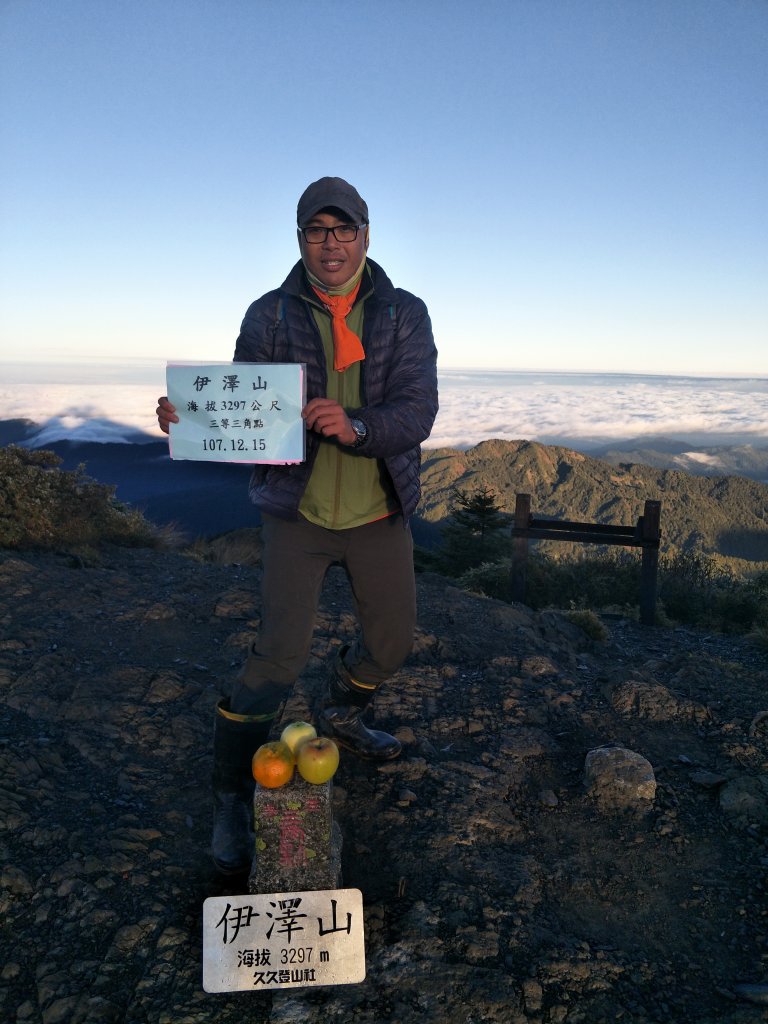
(327, 417)
(166, 414)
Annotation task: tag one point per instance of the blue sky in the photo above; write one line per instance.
(569, 184)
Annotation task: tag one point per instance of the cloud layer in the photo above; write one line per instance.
(100, 404)
(596, 408)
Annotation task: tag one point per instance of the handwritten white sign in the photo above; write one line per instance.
(283, 940)
(237, 412)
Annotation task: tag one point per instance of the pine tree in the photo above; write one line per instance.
(470, 537)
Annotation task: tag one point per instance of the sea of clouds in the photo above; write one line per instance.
(115, 400)
(589, 410)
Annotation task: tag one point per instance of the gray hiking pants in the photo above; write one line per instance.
(378, 559)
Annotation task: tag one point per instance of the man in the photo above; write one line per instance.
(371, 400)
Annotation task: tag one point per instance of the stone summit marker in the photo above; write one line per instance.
(296, 927)
(283, 940)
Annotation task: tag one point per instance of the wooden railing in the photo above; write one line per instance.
(645, 534)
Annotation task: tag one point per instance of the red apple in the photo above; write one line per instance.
(297, 733)
(317, 760)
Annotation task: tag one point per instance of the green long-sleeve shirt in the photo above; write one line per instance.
(346, 488)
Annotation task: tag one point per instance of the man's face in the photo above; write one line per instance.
(332, 262)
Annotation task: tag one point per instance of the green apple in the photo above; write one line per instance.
(317, 760)
(297, 733)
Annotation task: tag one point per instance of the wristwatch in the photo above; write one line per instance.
(360, 430)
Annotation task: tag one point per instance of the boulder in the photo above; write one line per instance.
(619, 779)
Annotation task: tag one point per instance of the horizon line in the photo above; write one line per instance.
(162, 362)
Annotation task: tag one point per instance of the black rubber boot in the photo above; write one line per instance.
(340, 717)
(235, 740)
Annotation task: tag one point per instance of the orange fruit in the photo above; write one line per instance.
(272, 764)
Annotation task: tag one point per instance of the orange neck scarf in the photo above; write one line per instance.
(347, 347)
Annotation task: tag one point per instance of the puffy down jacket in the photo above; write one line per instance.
(398, 382)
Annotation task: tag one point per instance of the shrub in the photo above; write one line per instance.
(589, 622)
(490, 579)
(585, 582)
(42, 506)
(693, 589)
(697, 590)
(238, 547)
(759, 637)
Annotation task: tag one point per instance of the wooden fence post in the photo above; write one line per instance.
(650, 533)
(518, 572)
(646, 534)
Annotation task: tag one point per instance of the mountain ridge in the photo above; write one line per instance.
(722, 515)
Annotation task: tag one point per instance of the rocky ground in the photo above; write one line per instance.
(497, 887)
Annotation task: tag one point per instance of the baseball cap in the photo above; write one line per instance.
(331, 192)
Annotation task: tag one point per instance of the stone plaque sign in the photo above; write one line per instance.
(283, 940)
(237, 412)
